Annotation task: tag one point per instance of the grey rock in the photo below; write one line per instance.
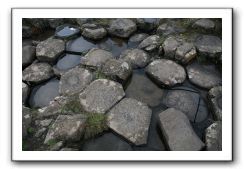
(107, 142)
(81, 21)
(28, 55)
(213, 137)
(37, 72)
(43, 123)
(117, 70)
(136, 57)
(166, 72)
(26, 120)
(79, 45)
(122, 27)
(95, 58)
(25, 92)
(170, 46)
(150, 43)
(26, 32)
(57, 146)
(205, 76)
(215, 101)
(185, 53)
(66, 128)
(40, 24)
(136, 39)
(147, 24)
(94, 34)
(40, 132)
(55, 22)
(69, 149)
(67, 32)
(166, 29)
(205, 24)
(209, 46)
(177, 131)
(101, 95)
(50, 49)
(130, 119)
(74, 81)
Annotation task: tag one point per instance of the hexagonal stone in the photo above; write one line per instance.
(67, 32)
(150, 43)
(118, 70)
(37, 72)
(106, 142)
(209, 46)
(66, 128)
(95, 58)
(136, 39)
(215, 101)
(26, 120)
(170, 45)
(122, 27)
(205, 24)
(79, 45)
(25, 92)
(94, 34)
(187, 102)
(74, 81)
(213, 137)
(136, 57)
(178, 132)
(166, 72)
(28, 54)
(166, 29)
(205, 76)
(130, 119)
(50, 49)
(185, 53)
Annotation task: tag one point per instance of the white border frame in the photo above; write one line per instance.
(19, 155)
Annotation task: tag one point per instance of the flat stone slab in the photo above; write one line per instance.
(130, 119)
(42, 94)
(136, 39)
(215, 101)
(67, 32)
(213, 137)
(107, 142)
(101, 95)
(28, 54)
(209, 46)
(178, 132)
(122, 27)
(166, 72)
(136, 57)
(95, 58)
(204, 24)
(79, 45)
(50, 49)
(66, 128)
(187, 102)
(150, 43)
(37, 72)
(25, 92)
(118, 70)
(74, 81)
(205, 76)
(94, 34)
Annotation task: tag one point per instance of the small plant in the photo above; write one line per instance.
(95, 124)
(100, 75)
(73, 105)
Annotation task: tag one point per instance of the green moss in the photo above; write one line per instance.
(51, 142)
(95, 124)
(102, 21)
(100, 75)
(73, 105)
(30, 130)
(25, 146)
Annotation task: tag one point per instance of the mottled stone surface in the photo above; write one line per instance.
(95, 58)
(185, 53)
(147, 24)
(101, 95)
(37, 72)
(66, 128)
(26, 120)
(130, 119)
(213, 137)
(205, 24)
(55, 22)
(205, 76)
(215, 101)
(117, 69)
(209, 46)
(166, 29)
(28, 54)
(136, 39)
(74, 81)
(122, 27)
(150, 43)
(166, 72)
(136, 57)
(106, 142)
(50, 49)
(94, 34)
(178, 132)
(25, 92)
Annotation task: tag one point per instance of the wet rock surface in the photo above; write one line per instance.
(205, 24)
(79, 45)
(101, 95)
(94, 34)
(166, 72)
(130, 119)
(66, 32)
(178, 132)
(215, 101)
(74, 81)
(136, 39)
(213, 137)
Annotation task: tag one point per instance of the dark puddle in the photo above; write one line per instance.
(42, 94)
